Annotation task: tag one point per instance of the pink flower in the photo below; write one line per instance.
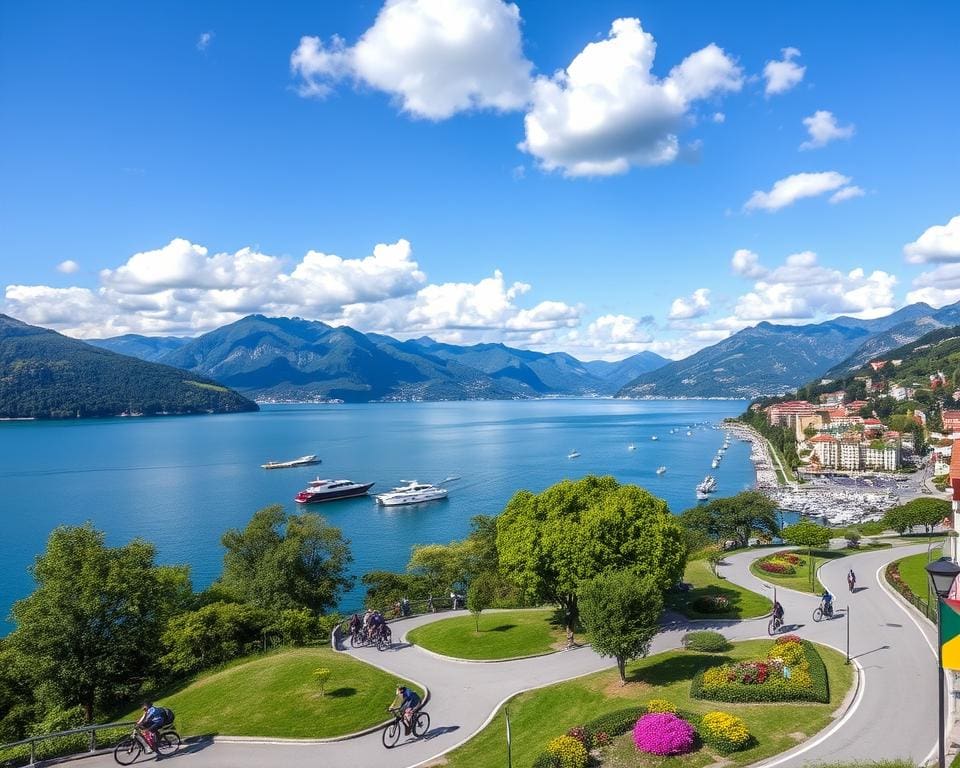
(662, 733)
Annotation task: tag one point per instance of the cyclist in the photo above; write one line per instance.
(376, 624)
(150, 722)
(778, 612)
(827, 601)
(851, 580)
(406, 701)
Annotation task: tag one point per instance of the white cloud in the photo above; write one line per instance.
(747, 264)
(68, 267)
(719, 117)
(788, 190)
(847, 193)
(823, 128)
(204, 40)
(938, 243)
(801, 289)
(436, 57)
(784, 74)
(695, 305)
(607, 110)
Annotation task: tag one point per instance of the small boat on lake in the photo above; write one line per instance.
(303, 461)
(331, 490)
(661, 469)
(654, 437)
(631, 447)
(574, 454)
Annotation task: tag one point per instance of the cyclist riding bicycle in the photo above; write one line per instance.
(827, 600)
(778, 611)
(406, 701)
(151, 721)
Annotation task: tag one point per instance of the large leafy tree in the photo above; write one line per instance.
(90, 631)
(734, 517)
(808, 534)
(286, 561)
(924, 512)
(621, 610)
(551, 543)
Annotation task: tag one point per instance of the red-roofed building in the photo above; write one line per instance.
(785, 414)
(877, 364)
(855, 406)
(951, 422)
(826, 449)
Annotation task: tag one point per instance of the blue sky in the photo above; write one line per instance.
(169, 167)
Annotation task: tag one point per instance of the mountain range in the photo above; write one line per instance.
(770, 359)
(46, 375)
(294, 359)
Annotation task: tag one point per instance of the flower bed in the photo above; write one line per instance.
(773, 679)
(780, 567)
(663, 733)
(724, 732)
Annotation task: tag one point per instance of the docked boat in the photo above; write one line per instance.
(330, 490)
(654, 437)
(661, 469)
(412, 493)
(714, 464)
(707, 485)
(574, 454)
(303, 461)
(702, 496)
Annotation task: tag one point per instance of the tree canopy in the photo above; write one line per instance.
(925, 512)
(552, 542)
(621, 610)
(807, 534)
(286, 561)
(734, 517)
(91, 629)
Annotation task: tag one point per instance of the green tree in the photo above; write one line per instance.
(734, 517)
(898, 520)
(809, 535)
(924, 512)
(621, 610)
(286, 561)
(444, 567)
(552, 542)
(18, 705)
(212, 635)
(90, 631)
(480, 595)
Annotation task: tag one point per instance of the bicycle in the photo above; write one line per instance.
(822, 613)
(384, 638)
(419, 725)
(775, 625)
(131, 747)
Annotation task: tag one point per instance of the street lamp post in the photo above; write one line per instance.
(943, 573)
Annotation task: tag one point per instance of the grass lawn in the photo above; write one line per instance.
(744, 604)
(800, 580)
(913, 573)
(502, 635)
(276, 695)
(536, 717)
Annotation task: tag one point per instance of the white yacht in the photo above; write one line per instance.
(715, 463)
(574, 454)
(631, 447)
(654, 437)
(330, 490)
(412, 493)
(661, 469)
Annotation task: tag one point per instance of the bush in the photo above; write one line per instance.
(661, 733)
(711, 604)
(705, 641)
(724, 732)
(583, 735)
(661, 705)
(546, 760)
(807, 682)
(569, 752)
(616, 723)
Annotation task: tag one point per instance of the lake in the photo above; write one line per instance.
(180, 482)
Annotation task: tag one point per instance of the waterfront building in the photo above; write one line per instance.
(951, 422)
(786, 414)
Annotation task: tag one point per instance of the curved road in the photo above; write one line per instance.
(893, 715)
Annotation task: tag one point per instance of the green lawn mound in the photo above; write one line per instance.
(713, 597)
(796, 566)
(278, 696)
(502, 635)
(913, 571)
(538, 717)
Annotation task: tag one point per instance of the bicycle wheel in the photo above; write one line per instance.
(421, 724)
(772, 627)
(391, 734)
(168, 743)
(818, 614)
(354, 640)
(127, 751)
(382, 643)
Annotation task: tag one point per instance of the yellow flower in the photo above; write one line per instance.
(661, 705)
(570, 752)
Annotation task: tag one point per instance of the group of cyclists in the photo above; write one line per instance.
(824, 610)
(371, 628)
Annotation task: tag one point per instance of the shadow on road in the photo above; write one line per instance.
(190, 746)
(865, 653)
(399, 646)
(434, 732)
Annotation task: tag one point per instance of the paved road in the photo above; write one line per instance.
(895, 714)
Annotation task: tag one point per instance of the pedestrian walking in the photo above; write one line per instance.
(851, 580)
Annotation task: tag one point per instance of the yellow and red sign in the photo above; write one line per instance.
(950, 633)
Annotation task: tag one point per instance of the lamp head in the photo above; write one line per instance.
(943, 573)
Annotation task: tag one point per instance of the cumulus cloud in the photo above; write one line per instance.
(747, 264)
(847, 193)
(204, 41)
(719, 117)
(695, 305)
(436, 57)
(782, 75)
(68, 267)
(788, 190)
(607, 110)
(823, 128)
(802, 289)
(939, 243)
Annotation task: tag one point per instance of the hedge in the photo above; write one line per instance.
(705, 641)
(774, 689)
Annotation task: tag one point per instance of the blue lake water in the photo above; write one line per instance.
(180, 482)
